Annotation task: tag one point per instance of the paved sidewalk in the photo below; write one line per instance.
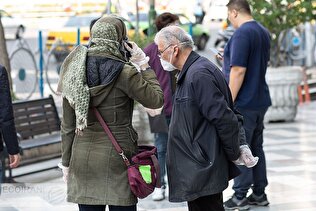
(290, 153)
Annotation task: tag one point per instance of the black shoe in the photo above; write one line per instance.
(234, 203)
(258, 200)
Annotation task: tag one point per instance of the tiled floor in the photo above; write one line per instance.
(291, 161)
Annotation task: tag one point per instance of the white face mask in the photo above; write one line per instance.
(167, 66)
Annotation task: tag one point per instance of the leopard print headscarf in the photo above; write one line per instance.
(107, 35)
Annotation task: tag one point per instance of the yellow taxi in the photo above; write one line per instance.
(60, 42)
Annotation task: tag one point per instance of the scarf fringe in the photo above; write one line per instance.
(81, 124)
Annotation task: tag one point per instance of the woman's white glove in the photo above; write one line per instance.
(246, 158)
(65, 171)
(153, 112)
(138, 57)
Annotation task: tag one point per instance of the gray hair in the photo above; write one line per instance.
(174, 35)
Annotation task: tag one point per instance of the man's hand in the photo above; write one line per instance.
(218, 53)
(14, 160)
(246, 158)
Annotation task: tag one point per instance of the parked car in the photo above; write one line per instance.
(200, 35)
(66, 38)
(13, 27)
(142, 20)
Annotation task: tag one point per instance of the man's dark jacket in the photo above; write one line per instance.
(204, 135)
(7, 127)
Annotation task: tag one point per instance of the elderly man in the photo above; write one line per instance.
(203, 136)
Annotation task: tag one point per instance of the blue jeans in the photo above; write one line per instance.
(84, 207)
(161, 140)
(255, 177)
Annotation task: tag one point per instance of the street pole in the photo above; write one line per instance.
(137, 20)
(108, 7)
(151, 18)
(41, 63)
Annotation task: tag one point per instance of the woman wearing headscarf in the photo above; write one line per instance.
(108, 75)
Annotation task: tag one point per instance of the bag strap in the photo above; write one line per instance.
(112, 138)
(120, 150)
(156, 165)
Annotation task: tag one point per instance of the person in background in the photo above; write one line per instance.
(204, 135)
(108, 75)
(246, 57)
(159, 123)
(7, 126)
(199, 13)
(92, 23)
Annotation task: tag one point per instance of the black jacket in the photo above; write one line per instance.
(204, 134)
(7, 127)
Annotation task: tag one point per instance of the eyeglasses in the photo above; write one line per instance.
(161, 52)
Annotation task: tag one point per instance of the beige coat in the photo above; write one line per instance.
(97, 174)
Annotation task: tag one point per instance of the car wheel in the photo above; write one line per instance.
(19, 32)
(202, 42)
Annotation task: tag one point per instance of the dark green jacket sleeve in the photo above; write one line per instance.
(142, 87)
(68, 127)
